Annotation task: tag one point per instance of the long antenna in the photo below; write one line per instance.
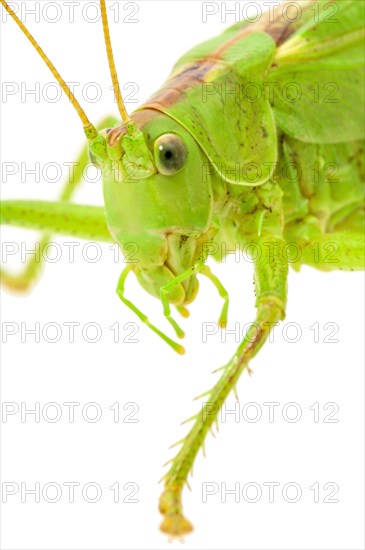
(90, 130)
(113, 72)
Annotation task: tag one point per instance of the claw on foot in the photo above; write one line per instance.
(174, 522)
(15, 284)
(176, 525)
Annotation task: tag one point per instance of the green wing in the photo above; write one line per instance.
(211, 91)
(317, 78)
(205, 49)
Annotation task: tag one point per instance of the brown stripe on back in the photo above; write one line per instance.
(171, 92)
(188, 77)
(278, 28)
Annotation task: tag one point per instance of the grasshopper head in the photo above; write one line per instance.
(158, 200)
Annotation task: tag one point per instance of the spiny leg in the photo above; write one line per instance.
(30, 273)
(270, 281)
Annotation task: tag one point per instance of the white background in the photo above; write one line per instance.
(148, 373)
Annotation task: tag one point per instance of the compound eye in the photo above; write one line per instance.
(170, 154)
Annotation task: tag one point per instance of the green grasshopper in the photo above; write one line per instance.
(204, 163)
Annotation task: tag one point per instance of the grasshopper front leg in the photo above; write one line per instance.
(271, 271)
(23, 281)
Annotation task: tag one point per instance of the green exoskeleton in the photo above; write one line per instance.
(204, 164)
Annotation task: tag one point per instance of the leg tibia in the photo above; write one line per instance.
(270, 281)
(75, 220)
(174, 523)
(55, 217)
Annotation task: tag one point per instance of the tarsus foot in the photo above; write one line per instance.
(174, 522)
